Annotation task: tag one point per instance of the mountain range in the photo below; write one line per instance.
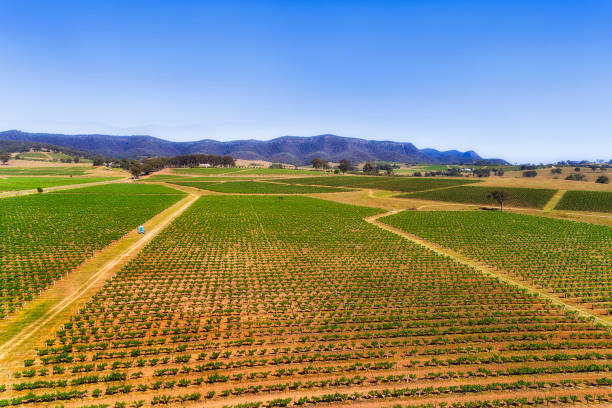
(286, 149)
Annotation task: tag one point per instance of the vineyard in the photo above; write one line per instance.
(517, 197)
(269, 301)
(586, 201)
(124, 188)
(405, 184)
(172, 177)
(571, 258)
(241, 171)
(31, 183)
(42, 171)
(44, 236)
(255, 187)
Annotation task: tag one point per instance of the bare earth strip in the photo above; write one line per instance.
(58, 188)
(42, 317)
(554, 200)
(486, 269)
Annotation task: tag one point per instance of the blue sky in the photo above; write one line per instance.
(522, 80)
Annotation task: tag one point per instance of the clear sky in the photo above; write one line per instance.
(522, 80)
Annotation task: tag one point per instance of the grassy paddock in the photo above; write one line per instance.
(517, 197)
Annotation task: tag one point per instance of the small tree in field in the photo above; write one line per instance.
(135, 170)
(319, 164)
(344, 166)
(369, 168)
(4, 157)
(500, 196)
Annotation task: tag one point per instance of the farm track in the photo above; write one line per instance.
(552, 203)
(58, 188)
(488, 270)
(41, 317)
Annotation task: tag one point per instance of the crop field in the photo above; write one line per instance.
(34, 156)
(586, 201)
(122, 188)
(42, 171)
(254, 187)
(573, 259)
(170, 177)
(261, 301)
(207, 170)
(517, 197)
(30, 183)
(405, 184)
(44, 236)
(242, 171)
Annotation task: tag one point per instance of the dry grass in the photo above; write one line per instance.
(387, 200)
(545, 179)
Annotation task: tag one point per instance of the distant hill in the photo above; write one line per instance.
(20, 146)
(286, 149)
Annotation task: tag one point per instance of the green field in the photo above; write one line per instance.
(44, 236)
(404, 184)
(164, 177)
(37, 156)
(574, 259)
(600, 201)
(31, 183)
(242, 171)
(424, 168)
(122, 188)
(517, 197)
(43, 171)
(254, 187)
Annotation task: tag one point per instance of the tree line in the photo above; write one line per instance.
(146, 166)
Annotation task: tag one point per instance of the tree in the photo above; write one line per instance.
(344, 166)
(602, 180)
(530, 173)
(319, 164)
(556, 170)
(98, 161)
(500, 196)
(576, 177)
(482, 172)
(369, 168)
(135, 170)
(4, 157)
(386, 168)
(76, 159)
